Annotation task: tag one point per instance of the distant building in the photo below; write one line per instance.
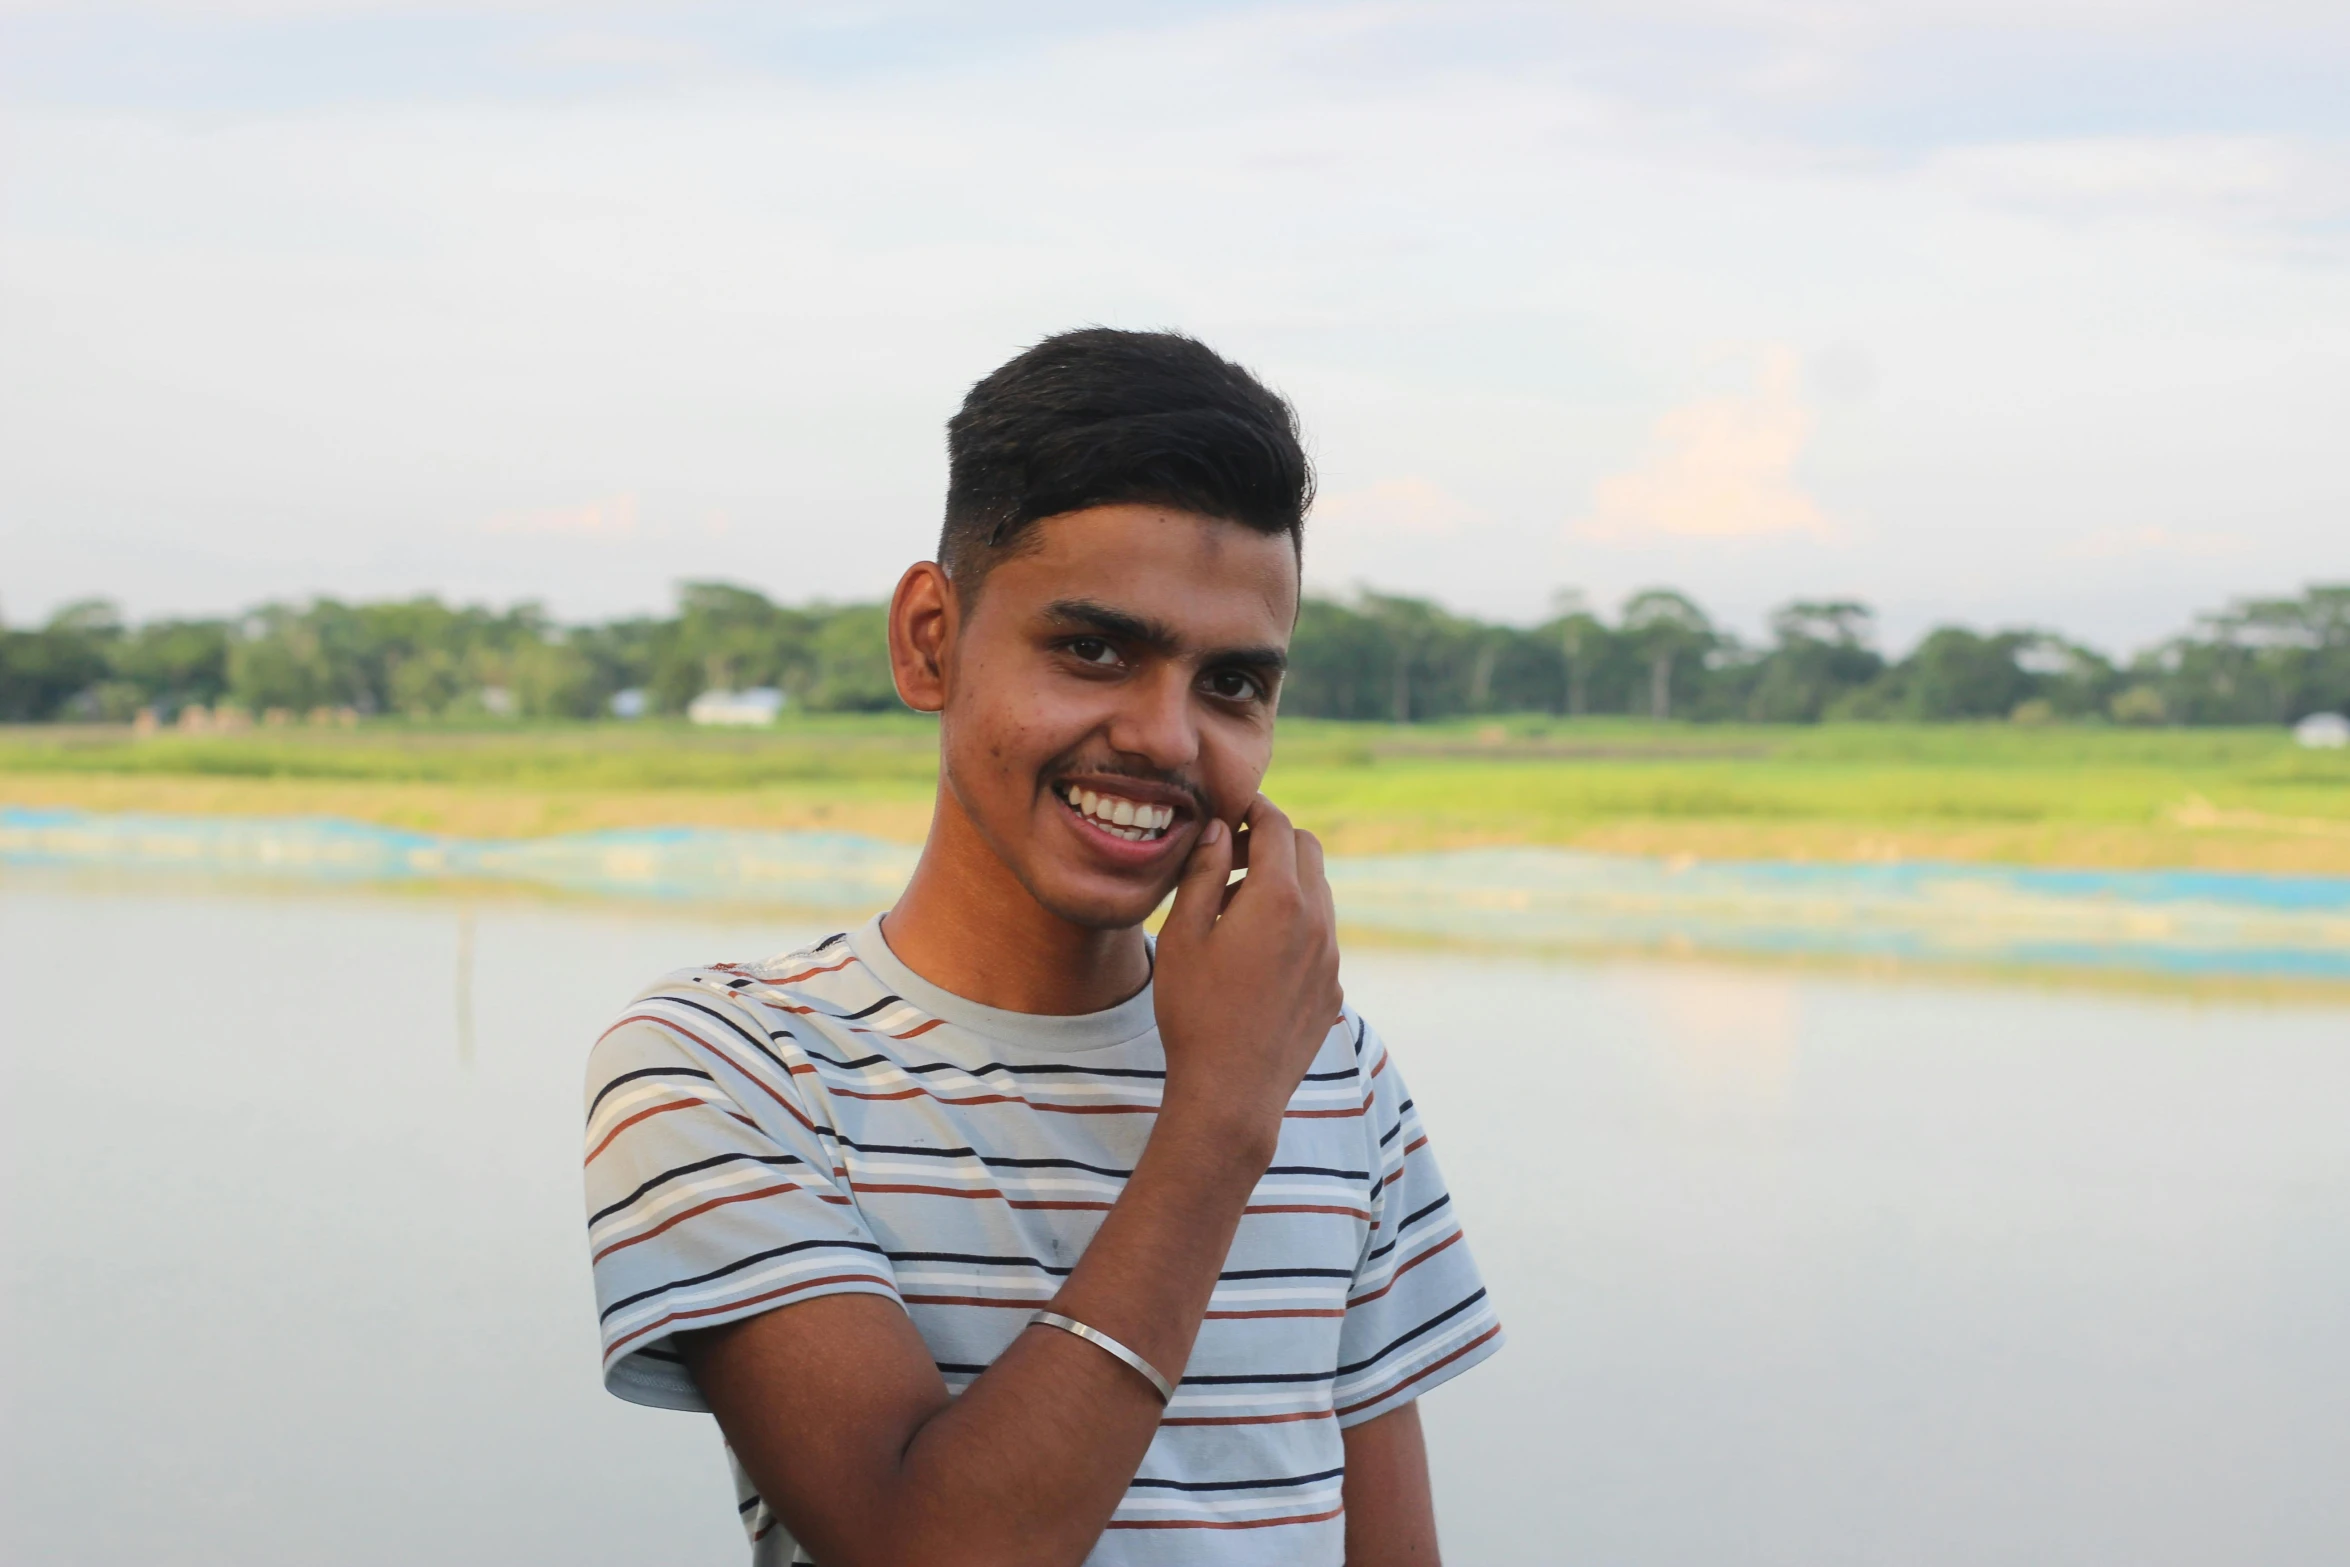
(630, 703)
(747, 708)
(2323, 731)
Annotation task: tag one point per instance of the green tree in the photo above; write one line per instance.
(1820, 652)
(172, 663)
(732, 639)
(626, 655)
(302, 658)
(1957, 673)
(852, 662)
(2073, 681)
(42, 671)
(1412, 631)
(1339, 664)
(1668, 630)
(1583, 644)
(2258, 661)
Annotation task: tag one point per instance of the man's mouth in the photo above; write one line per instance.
(1136, 821)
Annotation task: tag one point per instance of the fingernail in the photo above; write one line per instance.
(1213, 833)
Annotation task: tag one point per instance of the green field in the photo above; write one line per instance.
(2110, 797)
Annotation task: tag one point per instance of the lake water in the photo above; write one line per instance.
(1799, 1267)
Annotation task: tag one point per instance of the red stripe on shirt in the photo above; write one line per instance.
(1425, 1371)
(1222, 1523)
(736, 1305)
(676, 1219)
(1406, 1268)
(986, 1192)
(1250, 1420)
(811, 973)
(624, 1125)
(690, 1036)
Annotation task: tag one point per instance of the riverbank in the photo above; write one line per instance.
(1995, 794)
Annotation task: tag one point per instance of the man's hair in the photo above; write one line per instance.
(1100, 418)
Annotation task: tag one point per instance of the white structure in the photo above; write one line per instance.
(2323, 731)
(629, 703)
(748, 708)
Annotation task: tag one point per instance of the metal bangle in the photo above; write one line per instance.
(1101, 1340)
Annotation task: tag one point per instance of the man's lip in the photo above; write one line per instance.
(1185, 803)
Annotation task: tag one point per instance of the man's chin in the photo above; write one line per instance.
(1104, 908)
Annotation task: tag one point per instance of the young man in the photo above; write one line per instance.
(991, 1233)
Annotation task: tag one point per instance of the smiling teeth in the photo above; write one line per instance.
(1122, 818)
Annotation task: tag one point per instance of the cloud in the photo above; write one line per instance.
(278, 292)
(1408, 507)
(2238, 185)
(2124, 543)
(1718, 468)
(613, 517)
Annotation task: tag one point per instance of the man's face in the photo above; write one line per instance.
(1111, 689)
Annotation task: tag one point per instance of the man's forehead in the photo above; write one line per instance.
(1202, 580)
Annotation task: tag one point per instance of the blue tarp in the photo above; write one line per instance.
(2171, 921)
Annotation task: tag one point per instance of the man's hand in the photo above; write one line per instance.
(1247, 983)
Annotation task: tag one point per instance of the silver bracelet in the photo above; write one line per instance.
(1101, 1340)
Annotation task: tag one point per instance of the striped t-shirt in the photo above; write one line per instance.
(829, 1122)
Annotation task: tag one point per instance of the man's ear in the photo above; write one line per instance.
(922, 624)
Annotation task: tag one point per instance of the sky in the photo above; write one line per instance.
(1992, 313)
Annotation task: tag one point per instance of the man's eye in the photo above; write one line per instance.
(1093, 650)
(1232, 685)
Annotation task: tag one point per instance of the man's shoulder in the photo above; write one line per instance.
(1368, 1055)
(815, 968)
(739, 998)
(1360, 1039)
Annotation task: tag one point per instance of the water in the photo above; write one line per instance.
(1798, 1268)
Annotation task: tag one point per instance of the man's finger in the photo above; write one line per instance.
(1232, 890)
(1200, 895)
(1310, 872)
(1272, 848)
(1313, 882)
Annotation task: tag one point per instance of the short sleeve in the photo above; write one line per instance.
(712, 1192)
(1417, 1314)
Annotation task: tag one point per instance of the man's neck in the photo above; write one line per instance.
(967, 925)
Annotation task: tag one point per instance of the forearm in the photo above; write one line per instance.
(1390, 1512)
(1028, 1464)
(1044, 1443)
(1147, 1275)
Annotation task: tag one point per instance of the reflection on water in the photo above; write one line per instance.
(1799, 1268)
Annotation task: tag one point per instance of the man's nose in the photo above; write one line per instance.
(1155, 720)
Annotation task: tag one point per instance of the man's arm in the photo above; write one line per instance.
(834, 1406)
(1390, 1513)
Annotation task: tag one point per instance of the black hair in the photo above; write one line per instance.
(1100, 417)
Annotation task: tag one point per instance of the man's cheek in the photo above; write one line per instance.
(1231, 790)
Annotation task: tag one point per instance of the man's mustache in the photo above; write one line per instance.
(1064, 767)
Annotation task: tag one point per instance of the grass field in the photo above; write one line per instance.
(2114, 798)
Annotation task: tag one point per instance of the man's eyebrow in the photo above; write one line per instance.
(1110, 621)
(1156, 635)
(1270, 659)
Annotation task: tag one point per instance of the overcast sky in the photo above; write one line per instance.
(2002, 313)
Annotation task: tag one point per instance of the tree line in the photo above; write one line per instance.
(1377, 657)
